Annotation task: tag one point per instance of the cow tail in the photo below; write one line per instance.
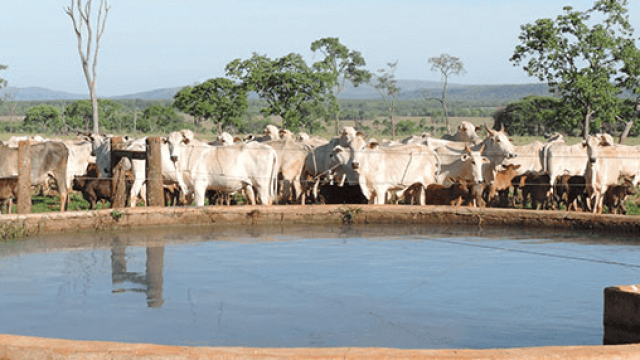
(273, 189)
(545, 158)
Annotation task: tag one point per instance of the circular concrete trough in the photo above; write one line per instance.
(23, 347)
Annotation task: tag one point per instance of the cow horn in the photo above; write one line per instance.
(501, 127)
(466, 148)
(489, 131)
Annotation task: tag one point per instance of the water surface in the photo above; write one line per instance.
(293, 286)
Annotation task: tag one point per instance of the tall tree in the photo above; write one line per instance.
(580, 57)
(219, 99)
(287, 84)
(447, 65)
(81, 17)
(387, 87)
(343, 65)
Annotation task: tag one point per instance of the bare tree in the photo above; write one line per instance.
(81, 18)
(387, 87)
(446, 65)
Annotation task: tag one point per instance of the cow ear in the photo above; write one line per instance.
(249, 137)
(373, 144)
(361, 134)
(485, 160)
(516, 167)
(237, 139)
(584, 143)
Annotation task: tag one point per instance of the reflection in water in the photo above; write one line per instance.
(152, 280)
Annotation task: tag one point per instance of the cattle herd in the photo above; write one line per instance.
(279, 168)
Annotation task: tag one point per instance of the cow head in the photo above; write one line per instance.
(473, 162)
(498, 145)
(176, 140)
(302, 136)
(272, 132)
(224, 139)
(593, 144)
(285, 134)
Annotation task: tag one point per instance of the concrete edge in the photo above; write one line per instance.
(14, 347)
(71, 221)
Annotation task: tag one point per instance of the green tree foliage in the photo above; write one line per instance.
(343, 65)
(158, 118)
(581, 58)
(43, 119)
(387, 88)
(407, 127)
(79, 115)
(219, 99)
(287, 84)
(533, 116)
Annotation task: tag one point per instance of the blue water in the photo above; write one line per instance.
(398, 287)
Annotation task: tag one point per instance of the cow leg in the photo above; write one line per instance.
(200, 188)
(263, 195)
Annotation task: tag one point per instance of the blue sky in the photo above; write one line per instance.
(151, 44)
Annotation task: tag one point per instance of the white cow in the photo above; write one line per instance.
(251, 166)
(466, 132)
(461, 165)
(379, 170)
(101, 148)
(606, 164)
(79, 158)
(291, 159)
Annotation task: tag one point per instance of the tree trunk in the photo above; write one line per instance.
(629, 125)
(219, 128)
(446, 117)
(393, 126)
(587, 122)
(94, 106)
(337, 123)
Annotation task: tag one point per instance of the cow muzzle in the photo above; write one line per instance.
(355, 165)
(174, 158)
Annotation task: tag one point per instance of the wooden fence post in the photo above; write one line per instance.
(116, 144)
(24, 178)
(155, 188)
(119, 192)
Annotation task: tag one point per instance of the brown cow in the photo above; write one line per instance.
(574, 186)
(536, 186)
(454, 195)
(8, 190)
(501, 184)
(95, 188)
(615, 196)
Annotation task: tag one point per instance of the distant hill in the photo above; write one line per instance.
(39, 94)
(409, 89)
